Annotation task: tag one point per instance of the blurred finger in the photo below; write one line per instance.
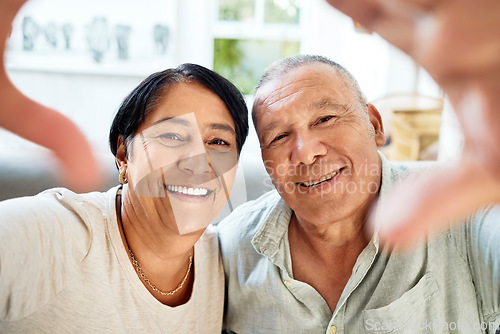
(430, 203)
(44, 126)
(395, 20)
(421, 4)
(479, 120)
(80, 169)
(50, 129)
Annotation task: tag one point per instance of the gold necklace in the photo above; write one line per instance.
(143, 276)
(139, 271)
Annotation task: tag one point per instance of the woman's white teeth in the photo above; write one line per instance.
(188, 191)
(323, 179)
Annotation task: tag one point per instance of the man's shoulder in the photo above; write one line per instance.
(394, 171)
(414, 166)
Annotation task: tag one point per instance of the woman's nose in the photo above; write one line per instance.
(196, 163)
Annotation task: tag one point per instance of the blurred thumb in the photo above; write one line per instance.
(429, 202)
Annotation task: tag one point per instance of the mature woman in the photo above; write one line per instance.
(138, 258)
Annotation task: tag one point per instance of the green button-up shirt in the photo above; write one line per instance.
(449, 283)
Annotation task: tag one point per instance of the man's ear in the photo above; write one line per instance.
(121, 153)
(376, 123)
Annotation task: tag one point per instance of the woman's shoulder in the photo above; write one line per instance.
(50, 233)
(207, 247)
(54, 212)
(92, 202)
(57, 214)
(209, 240)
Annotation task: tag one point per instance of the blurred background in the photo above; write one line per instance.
(82, 58)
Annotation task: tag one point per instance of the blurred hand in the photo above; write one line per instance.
(458, 43)
(42, 125)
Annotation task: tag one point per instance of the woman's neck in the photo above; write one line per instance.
(162, 254)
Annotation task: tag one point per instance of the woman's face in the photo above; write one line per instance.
(182, 161)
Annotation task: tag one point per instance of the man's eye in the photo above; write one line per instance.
(324, 119)
(278, 138)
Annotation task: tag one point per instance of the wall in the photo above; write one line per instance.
(90, 96)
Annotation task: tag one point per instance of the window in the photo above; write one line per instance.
(251, 34)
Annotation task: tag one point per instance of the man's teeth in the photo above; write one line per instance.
(188, 191)
(327, 177)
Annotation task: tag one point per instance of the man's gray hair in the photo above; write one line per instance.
(285, 65)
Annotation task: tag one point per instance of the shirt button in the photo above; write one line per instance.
(332, 329)
(288, 284)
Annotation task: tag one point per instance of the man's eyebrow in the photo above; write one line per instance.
(326, 103)
(222, 127)
(269, 128)
(322, 104)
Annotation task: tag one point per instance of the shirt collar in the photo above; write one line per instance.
(270, 237)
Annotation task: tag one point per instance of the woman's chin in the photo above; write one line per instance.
(194, 215)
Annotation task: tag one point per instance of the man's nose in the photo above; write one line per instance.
(306, 149)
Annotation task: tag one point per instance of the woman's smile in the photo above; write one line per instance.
(188, 193)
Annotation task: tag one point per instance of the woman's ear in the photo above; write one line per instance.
(121, 153)
(377, 125)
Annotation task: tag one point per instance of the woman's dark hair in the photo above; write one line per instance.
(145, 98)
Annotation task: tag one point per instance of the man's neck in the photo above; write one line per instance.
(328, 240)
(324, 256)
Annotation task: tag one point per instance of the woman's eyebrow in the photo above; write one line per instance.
(184, 122)
(222, 127)
(172, 119)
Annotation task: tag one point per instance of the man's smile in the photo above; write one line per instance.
(323, 179)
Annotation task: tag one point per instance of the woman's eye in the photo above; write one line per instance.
(324, 119)
(171, 139)
(170, 135)
(218, 142)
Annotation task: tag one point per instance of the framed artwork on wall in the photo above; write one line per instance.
(104, 37)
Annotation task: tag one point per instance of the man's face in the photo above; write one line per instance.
(319, 144)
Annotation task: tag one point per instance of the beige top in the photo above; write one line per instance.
(63, 269)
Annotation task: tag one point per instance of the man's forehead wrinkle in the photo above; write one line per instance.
(277, 95)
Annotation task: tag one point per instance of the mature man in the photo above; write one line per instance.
(458, 43)
(303, 260)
